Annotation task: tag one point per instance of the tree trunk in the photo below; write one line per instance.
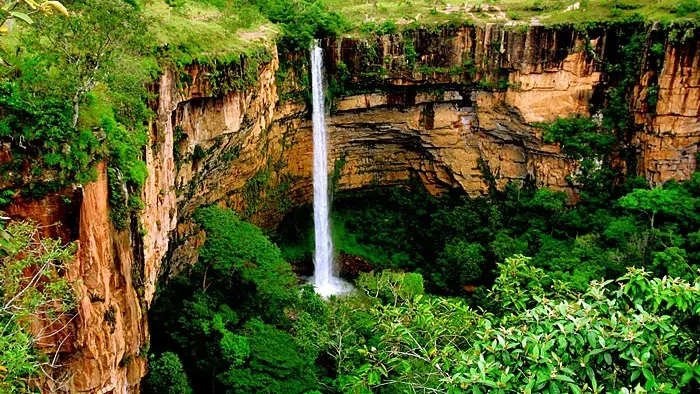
(87, 86)
(76, 109)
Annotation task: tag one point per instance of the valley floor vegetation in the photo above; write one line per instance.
(608, 302)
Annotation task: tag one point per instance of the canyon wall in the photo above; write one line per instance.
(103, 346)
(465, 105)
(668, 140)
(461, 104)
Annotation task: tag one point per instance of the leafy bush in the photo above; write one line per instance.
(579, 137)
(238, 317)
(392, 287)
(622, 336)
(126, 172)
(685, 7)
(166, 376)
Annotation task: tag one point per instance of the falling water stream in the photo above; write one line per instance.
(324, 279)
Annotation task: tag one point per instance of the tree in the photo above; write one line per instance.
(275, 364)
(238, 252)
(31, 295)
(390, 286)
(459, 264)
(655, 201)
(167, 376)
(504, 246)
(238, 320)
(93, 45)
(580, 138)
(399, 337)
(673, 261)
(547, 200)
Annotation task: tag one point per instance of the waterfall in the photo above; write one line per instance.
(323, 280)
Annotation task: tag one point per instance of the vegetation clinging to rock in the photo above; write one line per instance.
(36, 304)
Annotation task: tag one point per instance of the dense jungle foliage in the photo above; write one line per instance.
(240, 322)
(608, 302)
(456, 241)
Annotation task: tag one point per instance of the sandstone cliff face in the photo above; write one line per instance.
(424, 122)
(463, 103)
(201, 149)
(668, 142)
(433, 121)
(101, 346)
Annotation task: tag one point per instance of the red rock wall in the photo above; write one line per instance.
(670, 135)
(99, 354)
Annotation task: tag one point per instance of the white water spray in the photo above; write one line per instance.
(324, 280)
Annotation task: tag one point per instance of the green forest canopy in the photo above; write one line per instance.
(237, 329)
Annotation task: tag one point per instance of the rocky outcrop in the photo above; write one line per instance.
(670, 132)
(453, 107)
(102, 348)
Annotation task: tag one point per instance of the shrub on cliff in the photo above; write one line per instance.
(301, 21)
(32, 294)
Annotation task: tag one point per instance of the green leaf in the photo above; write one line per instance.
(564, 378)
(686, 378)
(489, 383)
(373, 378)
(22, 16)
(591, 376)
(530, 385)
(635, 375)
(562, 343)
(554, 388)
